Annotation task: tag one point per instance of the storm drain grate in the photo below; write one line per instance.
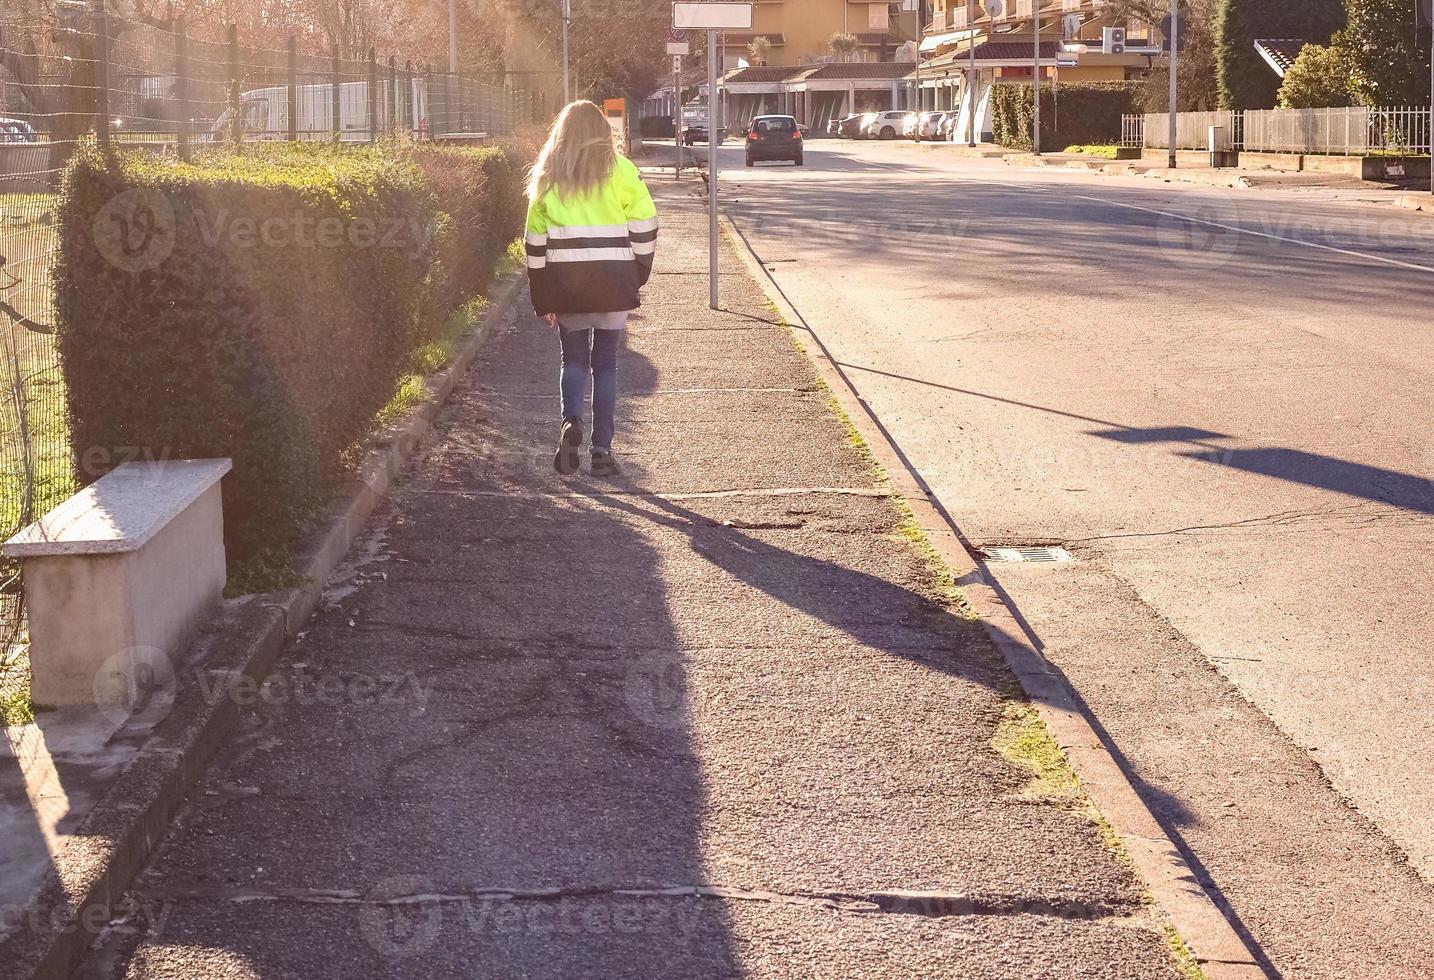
(1042, 554)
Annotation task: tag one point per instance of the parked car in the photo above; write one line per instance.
(774, 138)
(17, 131)
(886, 125)
(851, 126)
(947, 127)
(834, 126)
(926, 127)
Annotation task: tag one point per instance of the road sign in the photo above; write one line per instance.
(996, 9)
(676, 35)
(1165, 31)
(1065, 61)
(678, 48)
(709, 16)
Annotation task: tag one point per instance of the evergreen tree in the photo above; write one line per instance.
(1387, 46)
(1246, 80)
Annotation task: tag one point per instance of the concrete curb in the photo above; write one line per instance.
(1211, 938)
(1208, 178)
(1416, 202)
(98, 863)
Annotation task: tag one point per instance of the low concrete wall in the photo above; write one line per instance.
(1183, 158)
(1287, 162)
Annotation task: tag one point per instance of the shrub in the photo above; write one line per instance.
(271, 332)
(480, 192)
(1089, 112)
(1246, 79)
(1320, 78)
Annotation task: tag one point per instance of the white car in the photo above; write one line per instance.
(887, 125)
(927, 126)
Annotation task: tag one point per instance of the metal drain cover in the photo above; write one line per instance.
(1040, 555)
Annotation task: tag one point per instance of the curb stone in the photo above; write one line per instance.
(84, 888)
(1193, 913)
(1416, 202)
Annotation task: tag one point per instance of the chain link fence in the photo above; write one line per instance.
(85, 75)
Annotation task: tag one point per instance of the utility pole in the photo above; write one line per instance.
(919, 106)
(1174, 78)
(712, 169)
(567, 84)
(971, 71)
(453, 36)
(1036, 76)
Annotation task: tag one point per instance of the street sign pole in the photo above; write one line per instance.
(677, 113)
(712, 169)
(1174, 78)
(711, 16)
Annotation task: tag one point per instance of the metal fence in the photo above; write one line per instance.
(1132, 131)
(1192, 129)
(87, 75)
(1354, 131)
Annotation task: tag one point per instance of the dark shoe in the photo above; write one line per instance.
(570, 440)
(605, 465)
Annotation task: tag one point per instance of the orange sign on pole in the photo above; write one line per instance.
(616, 112)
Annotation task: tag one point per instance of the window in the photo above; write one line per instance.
(775, 125)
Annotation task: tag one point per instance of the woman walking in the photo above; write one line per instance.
(591, 234)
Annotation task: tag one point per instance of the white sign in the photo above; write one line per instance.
(708, 16)
(678, 48)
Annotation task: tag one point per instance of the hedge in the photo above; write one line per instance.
(1088, 113)
(479, 192)
(261, 305)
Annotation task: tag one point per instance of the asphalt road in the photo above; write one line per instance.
(1218, 402)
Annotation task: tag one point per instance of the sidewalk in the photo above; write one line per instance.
(714, 719)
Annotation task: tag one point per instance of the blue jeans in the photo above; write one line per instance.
(595, 352)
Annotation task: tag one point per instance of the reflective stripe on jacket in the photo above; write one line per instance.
(591, 253)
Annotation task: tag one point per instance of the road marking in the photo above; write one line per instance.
(1260, 234)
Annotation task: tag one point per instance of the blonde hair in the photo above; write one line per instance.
(578, 155)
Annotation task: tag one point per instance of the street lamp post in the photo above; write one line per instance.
(971, 71)
(1174, 78)
(1036, 75)
(916, 137)
(567, 85)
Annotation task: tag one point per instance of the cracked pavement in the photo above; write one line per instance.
(712, 719)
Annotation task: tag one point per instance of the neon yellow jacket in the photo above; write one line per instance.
(591, 253)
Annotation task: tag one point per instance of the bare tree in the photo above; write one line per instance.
(843, 45)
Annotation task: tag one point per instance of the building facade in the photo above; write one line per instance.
(968, 46)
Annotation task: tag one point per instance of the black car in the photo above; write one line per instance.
(774, 138)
